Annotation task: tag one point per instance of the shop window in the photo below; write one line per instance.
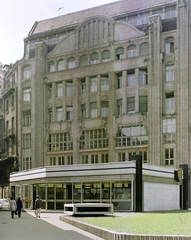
(91, 191)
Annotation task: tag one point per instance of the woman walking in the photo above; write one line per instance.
(19, 206)
(13, 205)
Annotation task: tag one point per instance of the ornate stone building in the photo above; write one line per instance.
(95, 87)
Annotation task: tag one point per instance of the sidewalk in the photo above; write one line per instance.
(53, 219)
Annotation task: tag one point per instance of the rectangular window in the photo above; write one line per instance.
(120, 106)
(143, 104)
(7, 105)
(169, 47)
(169, 130)
(142, 77)
(52, 161)
(121, 157)
(170, 14)
(26, 163)
(83, 86)
(170, 73)
(169, 156)
(50, 91)
(27, 95)
(104, 158)
(69, 113)
(69, 160)
(94, 84)
(84, 159)
(59, 113)
(104, 83)
(12, 101)
(170, 103)
(104, 109)
(27, 140)
(83, 111)
(26, 119)
(93, 109)
(132, 53)
(69, 88)
(59, 88)
(50, 115)
(131, 105)
(119, 80)
(94, 159)
(131, 79)
(60, 160)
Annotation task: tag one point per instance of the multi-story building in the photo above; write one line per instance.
(93, 88)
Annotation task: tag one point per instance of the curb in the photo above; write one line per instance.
(111, 235)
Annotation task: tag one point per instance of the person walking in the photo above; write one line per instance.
(19, 206)
(12, 205)
(38, 206)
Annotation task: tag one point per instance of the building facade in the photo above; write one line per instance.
(93, 88)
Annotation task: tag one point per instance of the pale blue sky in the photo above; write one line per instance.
(18, 16)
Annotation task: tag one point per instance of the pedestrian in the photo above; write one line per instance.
(19, 206)
(13, 206)
(38, 206)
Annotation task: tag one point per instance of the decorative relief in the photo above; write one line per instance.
(169, 59)
(130, 91)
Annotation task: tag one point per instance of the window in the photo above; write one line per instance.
(104, 109)
(131, 136)
(84, 159)
(27, 72)
(59, 88)
(94, 159)
(52, 40)
(27, 140)
(169, 45)
(26, 119)
(52, 161)
(142, 77)
(26, 163)
(144, 19)
(169, 156)
(170, 103)
(69, 160)
(83, 111)
(59, 142)
(119, 53)
(69, 88)
(7, 105)
(133, 21)
(61, 161)
(93, 109)
(120, 106)
(106, 56)
(121, 157)
(104, 83)
(169, 130)
(61, 65)
(83, 86)
(170, 14)
(143, 104)
(170, 73)
(50, 91)
(104, 158)
(51, 67)
(93, 84)
(119, 80)
(131, 105)
(144, 49)
(69, 113)
(50, 115)
(131, 51)
(93, 139)
(59, 113)
(94, 58)
(131, 78)
(27, 95)
(71, 63)
(83, 60)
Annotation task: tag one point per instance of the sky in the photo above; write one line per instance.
(18, 16)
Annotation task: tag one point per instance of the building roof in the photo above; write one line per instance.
(110, 10)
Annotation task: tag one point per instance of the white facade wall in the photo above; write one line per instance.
(157, 196)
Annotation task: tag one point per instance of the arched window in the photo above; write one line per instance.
(27, 72)
(94, 58)
(169, 45)
(83, 60)
(71, 63)
(61, 65)
(131, 51)
(51, 67)
(106, 56)
(144, 49)
(119, 53)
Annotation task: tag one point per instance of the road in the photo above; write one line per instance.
(48, 227)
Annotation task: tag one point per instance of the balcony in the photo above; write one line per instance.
(11, 133)
(9, 89)
(6, 135)
(7, 155)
